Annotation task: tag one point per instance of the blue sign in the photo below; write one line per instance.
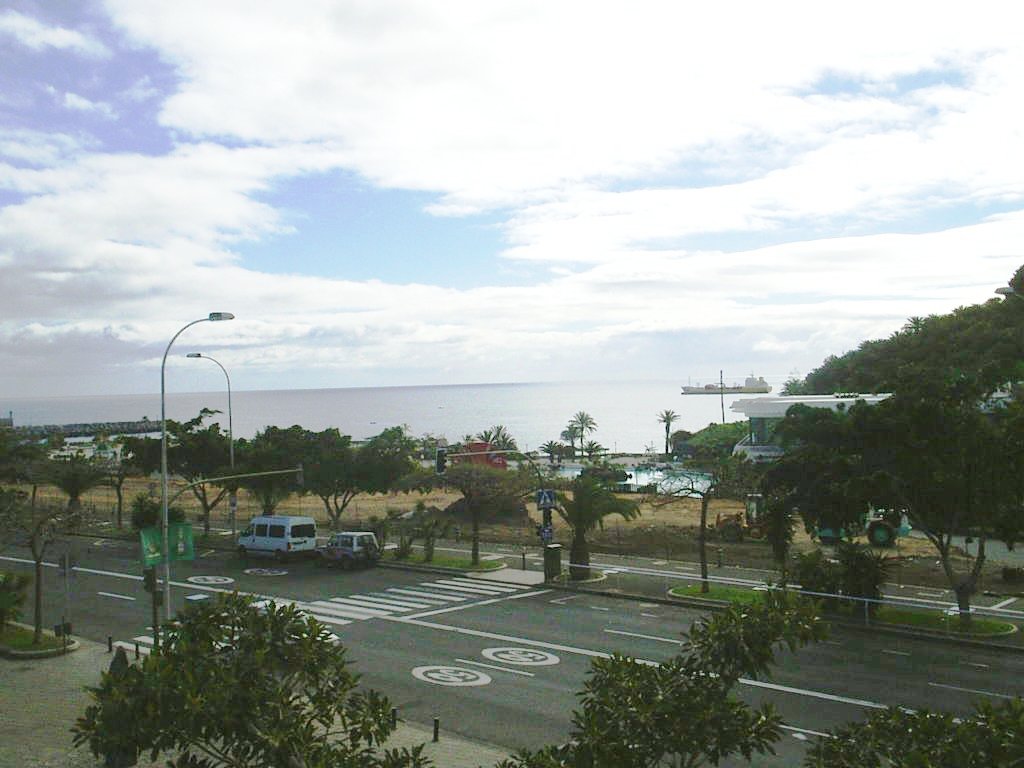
(545, 499)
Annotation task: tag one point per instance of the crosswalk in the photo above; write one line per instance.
(455, 591)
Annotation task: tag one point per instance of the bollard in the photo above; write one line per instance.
(136, 651)
(394, 717)
(110, 644)
(437, 728)
(719, 557)
(524, 559)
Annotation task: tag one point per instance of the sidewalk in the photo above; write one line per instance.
(40, 700)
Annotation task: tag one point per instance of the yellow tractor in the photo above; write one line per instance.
(736, 526)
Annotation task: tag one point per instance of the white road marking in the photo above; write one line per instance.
(602, 655)
(208, 552)
(1005, 603)
(454, 585)
(645, 637)
(659, 562)
(473, 605)
(832, 642)
(805, 730)
(364, 605)
(564, 600)
(977, 664)
(344, 608)
(391, 602)
(931, 594)
(487, 584)
(895, 653)
(432, 597)
(971, 690)
(113, 594)
(495, 666)
(599, 608)
(650, 615)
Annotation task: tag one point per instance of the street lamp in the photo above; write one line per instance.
(1006, 291)
(213, 318)
(232, 498)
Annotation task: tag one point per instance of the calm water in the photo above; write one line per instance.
(625, 412)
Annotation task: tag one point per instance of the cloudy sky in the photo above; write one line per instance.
(396, 193)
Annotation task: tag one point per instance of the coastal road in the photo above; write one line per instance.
(501, 663)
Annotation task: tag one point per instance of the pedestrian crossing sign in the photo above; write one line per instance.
(545, 498)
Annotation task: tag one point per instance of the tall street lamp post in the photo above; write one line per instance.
(232, 496)
(213, 317)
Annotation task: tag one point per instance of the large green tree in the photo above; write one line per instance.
(237, 687)
(683, 712)
(74, 476)
(590, 502)
(272, 450)
(498, 437)
(485, 487)
(196, 451)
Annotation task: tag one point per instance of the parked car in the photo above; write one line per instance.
(281, 536)
(350, 549)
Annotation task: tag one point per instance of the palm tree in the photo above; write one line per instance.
(569, 435)
(593, 448)
(498, 438)
(591, 502)
(583, 424)
(666, 417)
(552, 449)
(75, 476)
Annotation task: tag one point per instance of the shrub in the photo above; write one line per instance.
(146, 512)
(12, 597)
(815, 573)
(861, 572)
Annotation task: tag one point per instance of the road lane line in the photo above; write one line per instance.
(114, 594)
(208, 552)
(805, 730)
(977, 664)
(645, 637)
(896, 653)
(473, 605)
(599, 608)
(971, 690)
(650, 615)
(495, 666)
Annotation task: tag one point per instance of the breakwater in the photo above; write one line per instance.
(89, 430)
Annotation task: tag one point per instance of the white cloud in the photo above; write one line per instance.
(38, 36)
(81, 104)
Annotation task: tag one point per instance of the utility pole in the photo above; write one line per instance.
(721, 393)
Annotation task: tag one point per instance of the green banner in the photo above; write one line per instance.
(179, 544)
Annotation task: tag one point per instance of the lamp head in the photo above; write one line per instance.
(1005, 290)
(194, 354)
(216, 316)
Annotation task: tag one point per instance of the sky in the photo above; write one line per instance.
(391, 193)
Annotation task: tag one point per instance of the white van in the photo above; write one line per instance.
(279, 535)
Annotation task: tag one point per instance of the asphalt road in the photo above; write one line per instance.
(502, 663)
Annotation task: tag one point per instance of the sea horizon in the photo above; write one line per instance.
(533, 412)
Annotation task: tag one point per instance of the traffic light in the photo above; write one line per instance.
(149, 579)
(442, 460)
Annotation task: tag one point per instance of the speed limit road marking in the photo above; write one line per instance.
(210, 580)
(521, 656)
(265, 572)
(451, 676)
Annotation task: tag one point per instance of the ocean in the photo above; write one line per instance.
(626, 412)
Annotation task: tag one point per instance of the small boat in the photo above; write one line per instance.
(751, 386)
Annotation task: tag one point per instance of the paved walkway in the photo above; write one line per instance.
(40, 700)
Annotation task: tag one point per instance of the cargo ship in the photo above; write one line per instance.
(751, 386)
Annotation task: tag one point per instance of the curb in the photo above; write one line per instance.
(10, 653)
(437, 568)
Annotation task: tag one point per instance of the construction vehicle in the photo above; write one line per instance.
(735, 526)
(881, 527)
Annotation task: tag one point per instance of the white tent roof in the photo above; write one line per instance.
(776, 406)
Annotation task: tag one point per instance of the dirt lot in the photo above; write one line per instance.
(666, 531)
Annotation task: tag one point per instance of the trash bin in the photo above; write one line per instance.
(552, 562)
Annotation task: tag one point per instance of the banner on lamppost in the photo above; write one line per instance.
(179, 544)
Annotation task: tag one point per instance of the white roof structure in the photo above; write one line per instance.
(775, 407)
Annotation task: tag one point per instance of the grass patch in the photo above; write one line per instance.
(20, 639)
(936, 621)
(444, 561)
(718, 592)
